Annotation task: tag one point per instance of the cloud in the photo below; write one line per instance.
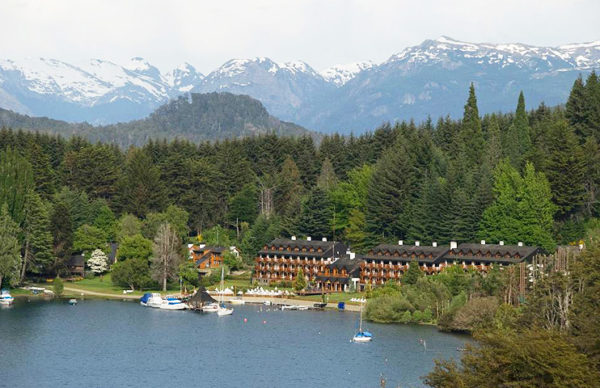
(323, 33)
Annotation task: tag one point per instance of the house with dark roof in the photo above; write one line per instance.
(207, 257)
(76, 264)
(281, 259)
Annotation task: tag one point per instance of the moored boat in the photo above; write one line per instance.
(172, 303)
(237, 300)
(72, 302)
(6, 298)
(222, 310)
(155, 300)
(210, 308)
(362, 335)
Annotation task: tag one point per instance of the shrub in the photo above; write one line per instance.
(58, 286)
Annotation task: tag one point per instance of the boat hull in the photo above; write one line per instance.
(222, 312)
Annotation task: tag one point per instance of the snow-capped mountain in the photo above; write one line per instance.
(428, 79)
(340, 74)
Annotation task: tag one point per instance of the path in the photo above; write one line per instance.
(95, 293)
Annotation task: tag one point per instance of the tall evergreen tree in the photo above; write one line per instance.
(565, 170)
(392, 188)
(141, 189)
(37, 245)
(317, 216)
(470, 137)
(10, 255)
(518, 140)
(576, 108)
(16, 180)
(327, 179)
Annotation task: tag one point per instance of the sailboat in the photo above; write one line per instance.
(362, 335)
(222, 310)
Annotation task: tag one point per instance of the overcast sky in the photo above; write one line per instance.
(321, 32)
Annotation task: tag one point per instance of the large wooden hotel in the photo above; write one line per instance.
(331, 267)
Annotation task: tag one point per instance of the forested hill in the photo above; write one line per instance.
(195, 117)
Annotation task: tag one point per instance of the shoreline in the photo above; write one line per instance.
(77, 293)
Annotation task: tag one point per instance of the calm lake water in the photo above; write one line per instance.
(122, 344)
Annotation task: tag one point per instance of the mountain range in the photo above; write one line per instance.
(430, 79)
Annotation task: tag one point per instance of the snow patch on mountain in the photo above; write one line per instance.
(341, 74)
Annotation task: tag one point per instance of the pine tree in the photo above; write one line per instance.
(299, 280)
(316, 216)
(576, 109)
(592, 104)
(10, 255)
(494, 144)
(392, 188)
(243, 206)
(16, 180)
(288, 194)
(565, 169)
(37, 236)
(518, 140)
(470, 137)
(141, 189)
(355, 232)
(327, 179)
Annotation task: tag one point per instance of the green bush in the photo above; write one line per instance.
(58, 286)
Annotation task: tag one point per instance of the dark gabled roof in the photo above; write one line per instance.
(379, 252)
(328, 247)
(443, 253)
(523, 251)
(469, 252)
(345, 262)
(333, 279)
(76, 260)
(215, 249)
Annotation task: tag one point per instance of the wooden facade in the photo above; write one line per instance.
(207, 258)
(389, 262)
(281, 259)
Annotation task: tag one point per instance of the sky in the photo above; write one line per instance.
(322, 33)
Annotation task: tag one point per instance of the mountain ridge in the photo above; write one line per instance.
(416, 82)
(197, 118)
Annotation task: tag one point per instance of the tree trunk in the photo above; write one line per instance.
(0, 281)
(165, 277)
(25, 258)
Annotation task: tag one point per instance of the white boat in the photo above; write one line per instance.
(152, 300)
(222, 310)
(6, 298)
(237, 301)
(172, 303)
(210, 308)
(362, 335)
(72, 302)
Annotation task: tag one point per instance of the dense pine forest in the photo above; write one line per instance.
(530, 176)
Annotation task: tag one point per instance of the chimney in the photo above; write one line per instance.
(520, 243)
(293, 238)
(400, 242)
(352, 255)
(324, 238)
(308, 238)
(501, 242)
(417, 243)
(202, 246)
(453, 245)
(434, 244)
(482, 242)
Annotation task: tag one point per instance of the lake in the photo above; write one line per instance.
(102, 343)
